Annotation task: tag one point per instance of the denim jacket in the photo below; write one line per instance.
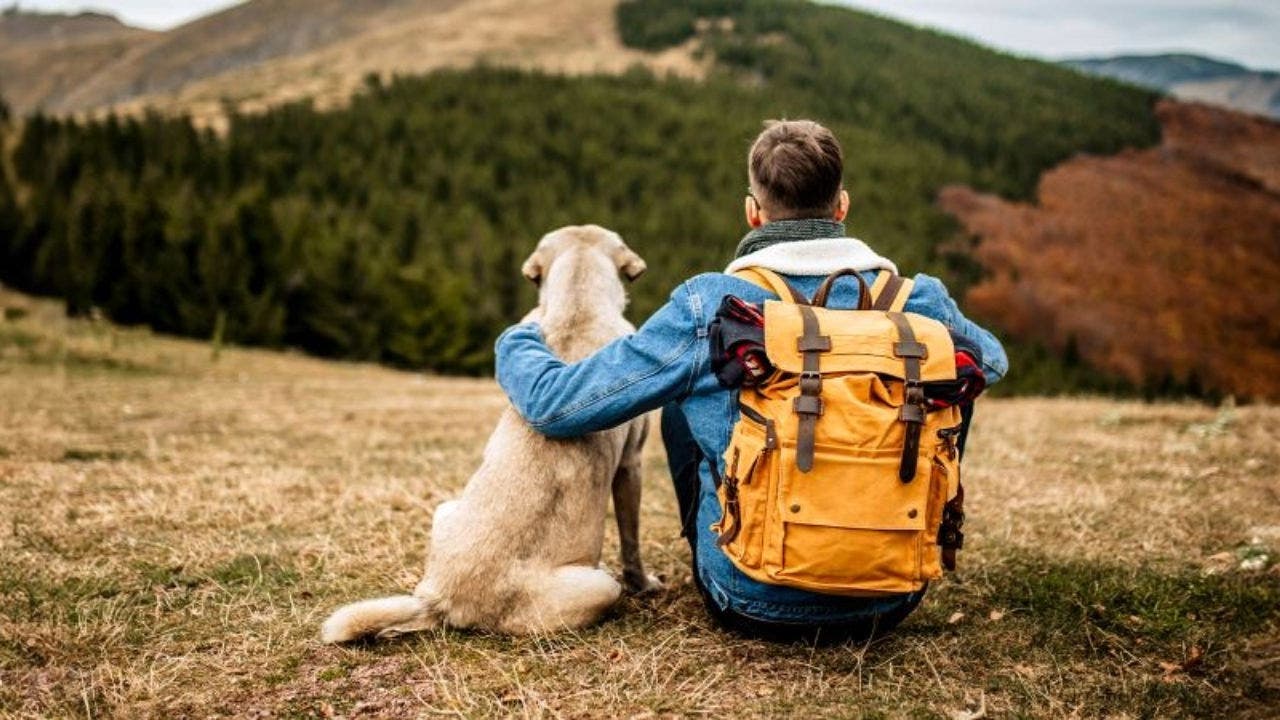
(667, 361)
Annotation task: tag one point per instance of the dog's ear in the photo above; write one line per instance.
(533, 268)
(629, 263)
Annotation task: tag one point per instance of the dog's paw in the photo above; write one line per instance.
(644, 583)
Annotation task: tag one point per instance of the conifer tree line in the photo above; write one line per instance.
(393, 229)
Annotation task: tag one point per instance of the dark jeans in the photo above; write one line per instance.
(683, 459)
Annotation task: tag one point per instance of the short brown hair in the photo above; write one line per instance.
(796, 169)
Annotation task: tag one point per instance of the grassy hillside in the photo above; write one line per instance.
(393, 229)
(175, 529)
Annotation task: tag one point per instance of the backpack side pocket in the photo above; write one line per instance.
(744, 493)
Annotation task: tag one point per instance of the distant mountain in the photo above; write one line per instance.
(18, 27)
(1193, 77)
(1160, 72)
(44, 56)
(265, 52)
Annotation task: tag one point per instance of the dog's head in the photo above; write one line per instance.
(585, 242)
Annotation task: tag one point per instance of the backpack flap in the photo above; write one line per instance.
(816, 343)
(860, 342)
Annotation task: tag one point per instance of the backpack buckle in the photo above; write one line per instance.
(807, 405)
(911, 349)
(806, 343)
(811, 382)
(914, 392)
(911, 413)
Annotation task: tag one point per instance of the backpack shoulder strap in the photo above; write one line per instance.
(772, 281)
(890, 292)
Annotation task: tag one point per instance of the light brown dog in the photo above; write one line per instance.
(519, 551)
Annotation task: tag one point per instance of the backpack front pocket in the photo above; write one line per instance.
(850, 526)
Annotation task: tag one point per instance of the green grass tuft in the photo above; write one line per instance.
(1071, 602)
(257, 570)
(91, 455)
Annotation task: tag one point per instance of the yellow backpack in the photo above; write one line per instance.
(836, 477)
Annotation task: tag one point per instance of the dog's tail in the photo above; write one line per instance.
(382, 617)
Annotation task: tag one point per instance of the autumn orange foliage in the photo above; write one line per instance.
(1161, 266)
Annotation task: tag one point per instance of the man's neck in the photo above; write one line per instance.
(781, 231)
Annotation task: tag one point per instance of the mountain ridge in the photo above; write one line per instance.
(43, 56)
(264, 53)
(1192, 77)
(24, 27)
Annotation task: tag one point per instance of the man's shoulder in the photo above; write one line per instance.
(712, 286)
(930, 298)
(713, 282)
(927, 286)
(927, 289)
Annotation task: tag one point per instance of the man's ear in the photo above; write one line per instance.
(751, 208)
(629, 263)
(842, 206)
(533, 268)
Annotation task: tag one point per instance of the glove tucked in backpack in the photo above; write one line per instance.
(737, 344)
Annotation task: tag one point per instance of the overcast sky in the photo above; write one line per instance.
(1246, 31)
(155, 14)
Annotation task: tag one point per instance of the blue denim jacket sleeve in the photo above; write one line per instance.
(931, 299)
(625, 379)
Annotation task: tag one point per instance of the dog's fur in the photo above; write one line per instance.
(519, 551)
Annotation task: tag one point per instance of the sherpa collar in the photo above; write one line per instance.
(821, 256)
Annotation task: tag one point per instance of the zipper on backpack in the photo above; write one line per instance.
(950, 437)
(770, 430)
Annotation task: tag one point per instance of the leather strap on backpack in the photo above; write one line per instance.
(890, 292)
(824, 290)
(913, 408)
(809, 405)
(771, 280)
(812, 344)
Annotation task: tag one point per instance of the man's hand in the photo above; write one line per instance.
(970, 380)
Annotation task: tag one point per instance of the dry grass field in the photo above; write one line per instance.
(173, 528)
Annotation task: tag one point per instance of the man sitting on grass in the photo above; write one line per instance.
(796, 208)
